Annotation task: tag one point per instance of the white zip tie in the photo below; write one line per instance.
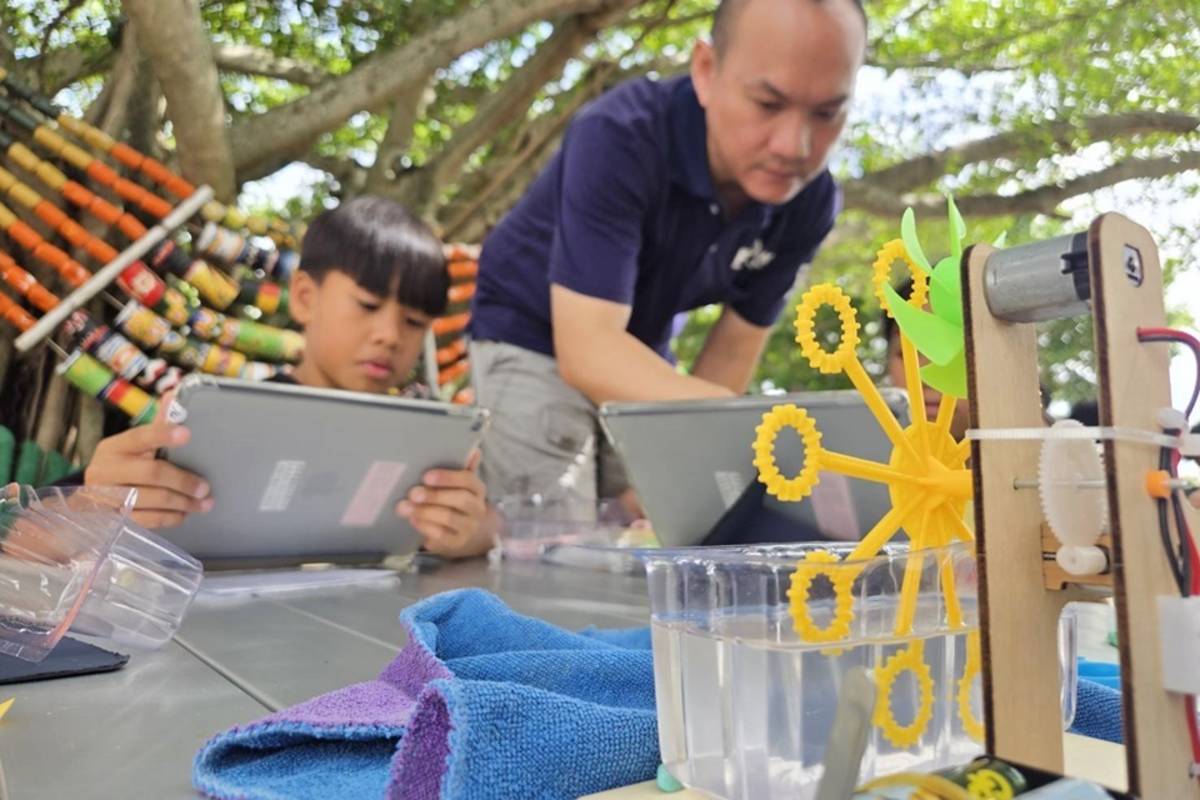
(1135, 435)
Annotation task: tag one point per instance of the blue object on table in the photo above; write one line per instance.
(1101, 672)
(1098, 706)
(482, 703)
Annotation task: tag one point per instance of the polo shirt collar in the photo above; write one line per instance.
(689, 152)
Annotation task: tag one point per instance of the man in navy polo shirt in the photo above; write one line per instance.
(665, 196)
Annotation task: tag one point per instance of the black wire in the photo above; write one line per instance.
(1184, 554)
(1164, 531)
(1191, 406)
(1181, 525)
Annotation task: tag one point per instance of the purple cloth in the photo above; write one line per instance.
(482, 703)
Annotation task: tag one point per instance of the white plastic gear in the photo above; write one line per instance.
(1077, 515)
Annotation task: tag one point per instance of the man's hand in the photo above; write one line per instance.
(449, 509)
(166, 494)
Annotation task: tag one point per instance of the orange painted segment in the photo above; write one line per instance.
(126, 155)
(461, 293)
(452, 352)
(451, 324)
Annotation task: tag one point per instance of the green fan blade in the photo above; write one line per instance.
(945, 292)
(949, 379)
(1001, 239)
(958, 229)
(936, 339)
(908, 233)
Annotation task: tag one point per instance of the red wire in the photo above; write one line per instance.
(1186, 534)
(1194, 556)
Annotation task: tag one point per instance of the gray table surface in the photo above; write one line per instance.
(134, 733)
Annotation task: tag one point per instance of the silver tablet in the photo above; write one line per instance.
(300, 474)
(689, 461)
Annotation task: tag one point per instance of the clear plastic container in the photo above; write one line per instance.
(72, 559)
(557, 529)
(745, 705)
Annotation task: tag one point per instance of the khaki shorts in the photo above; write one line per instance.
(543, 433)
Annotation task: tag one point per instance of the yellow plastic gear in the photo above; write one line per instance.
(909, 659)
(882, 275)
(801, 485)
(972, 724)
(821, 562)
(988, 784)
(806, 314)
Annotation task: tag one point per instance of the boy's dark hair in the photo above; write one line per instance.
(904, 289)
(384, 248)
(727, 11)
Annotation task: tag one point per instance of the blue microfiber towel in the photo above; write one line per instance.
(1098, 709)
(481, 704)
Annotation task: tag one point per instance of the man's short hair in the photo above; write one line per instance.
(727, 11)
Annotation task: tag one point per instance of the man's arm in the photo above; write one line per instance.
(731, 352)
(597, 356)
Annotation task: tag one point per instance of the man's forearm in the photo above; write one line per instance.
(731, 352)
(617, 367)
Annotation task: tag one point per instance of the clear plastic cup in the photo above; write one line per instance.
(71, 559)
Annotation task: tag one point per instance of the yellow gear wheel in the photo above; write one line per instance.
(882, 275)
(909, 659)
(806, 314)
(820, 562)
(801, 485)
(972, 724)
(988, 784)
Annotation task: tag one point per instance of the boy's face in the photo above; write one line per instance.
(354, 339)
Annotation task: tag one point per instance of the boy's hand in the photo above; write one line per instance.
(165, 493)
(450, 511)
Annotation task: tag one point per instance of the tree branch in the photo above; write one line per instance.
(499, 109)
(251, 60)
(407, 108)
(176, 43)
(349, 174)
(1041, 200)
(297, 124)
(923, 170)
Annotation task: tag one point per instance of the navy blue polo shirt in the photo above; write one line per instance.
(627, 212)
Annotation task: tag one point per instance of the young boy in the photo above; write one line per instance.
(371, 280)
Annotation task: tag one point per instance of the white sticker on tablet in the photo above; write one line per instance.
(833, 508)
(730, 486)
(281, 486)
(373, 493)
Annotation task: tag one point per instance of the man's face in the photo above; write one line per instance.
(354, 339)
(777, 95)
